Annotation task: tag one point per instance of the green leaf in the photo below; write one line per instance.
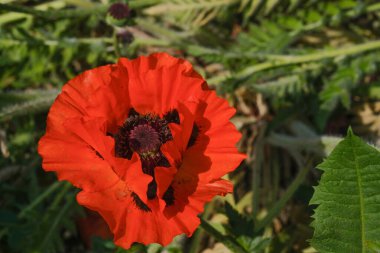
(238, 223)
(347, 218)
(256, 245)
(193, 12)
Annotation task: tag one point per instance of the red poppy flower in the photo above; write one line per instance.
(146, 141)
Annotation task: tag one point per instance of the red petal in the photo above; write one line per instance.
(159, 81)
(73, 100)
(79, 158)
(164, 177)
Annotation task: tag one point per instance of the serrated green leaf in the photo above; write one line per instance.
(347, 218)
(239, 225)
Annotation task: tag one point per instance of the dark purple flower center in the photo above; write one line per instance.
(144, 139)
(145, 134)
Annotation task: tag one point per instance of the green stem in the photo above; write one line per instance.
(116, 44)
(187, 5)
(276, 61)
(63, 42)
(56, 222)
(58, 198)
(276, 175)
(40, 198)
(256, 171)
(150, 42)
(56, 14)
(228, 241)
(98, 9)
(35, 105)
(275, 210)
(196, 238)
(137, 4)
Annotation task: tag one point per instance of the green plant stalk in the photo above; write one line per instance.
(295, 33)
(150, 42)
(37, 201)
(56, 14)
(136, 4)
(66, 187)
(13, 42)
(161, 31)
(37, 104)
(80, 3)
(13, 16)
(275, 210)
(40, 198)
(276, 176)
(56, 222)
(196, 238)
(185, 6)
(90, 9)
(228, 241)
(116, 44)
(276, 61)
(256, 171)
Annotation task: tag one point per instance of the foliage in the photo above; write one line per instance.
(346, 219)
(298, 72)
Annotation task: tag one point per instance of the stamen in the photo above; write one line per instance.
(145, 134)
(143, 139)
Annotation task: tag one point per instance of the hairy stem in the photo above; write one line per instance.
(276, 61)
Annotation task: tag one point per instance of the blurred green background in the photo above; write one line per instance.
(299, 73)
